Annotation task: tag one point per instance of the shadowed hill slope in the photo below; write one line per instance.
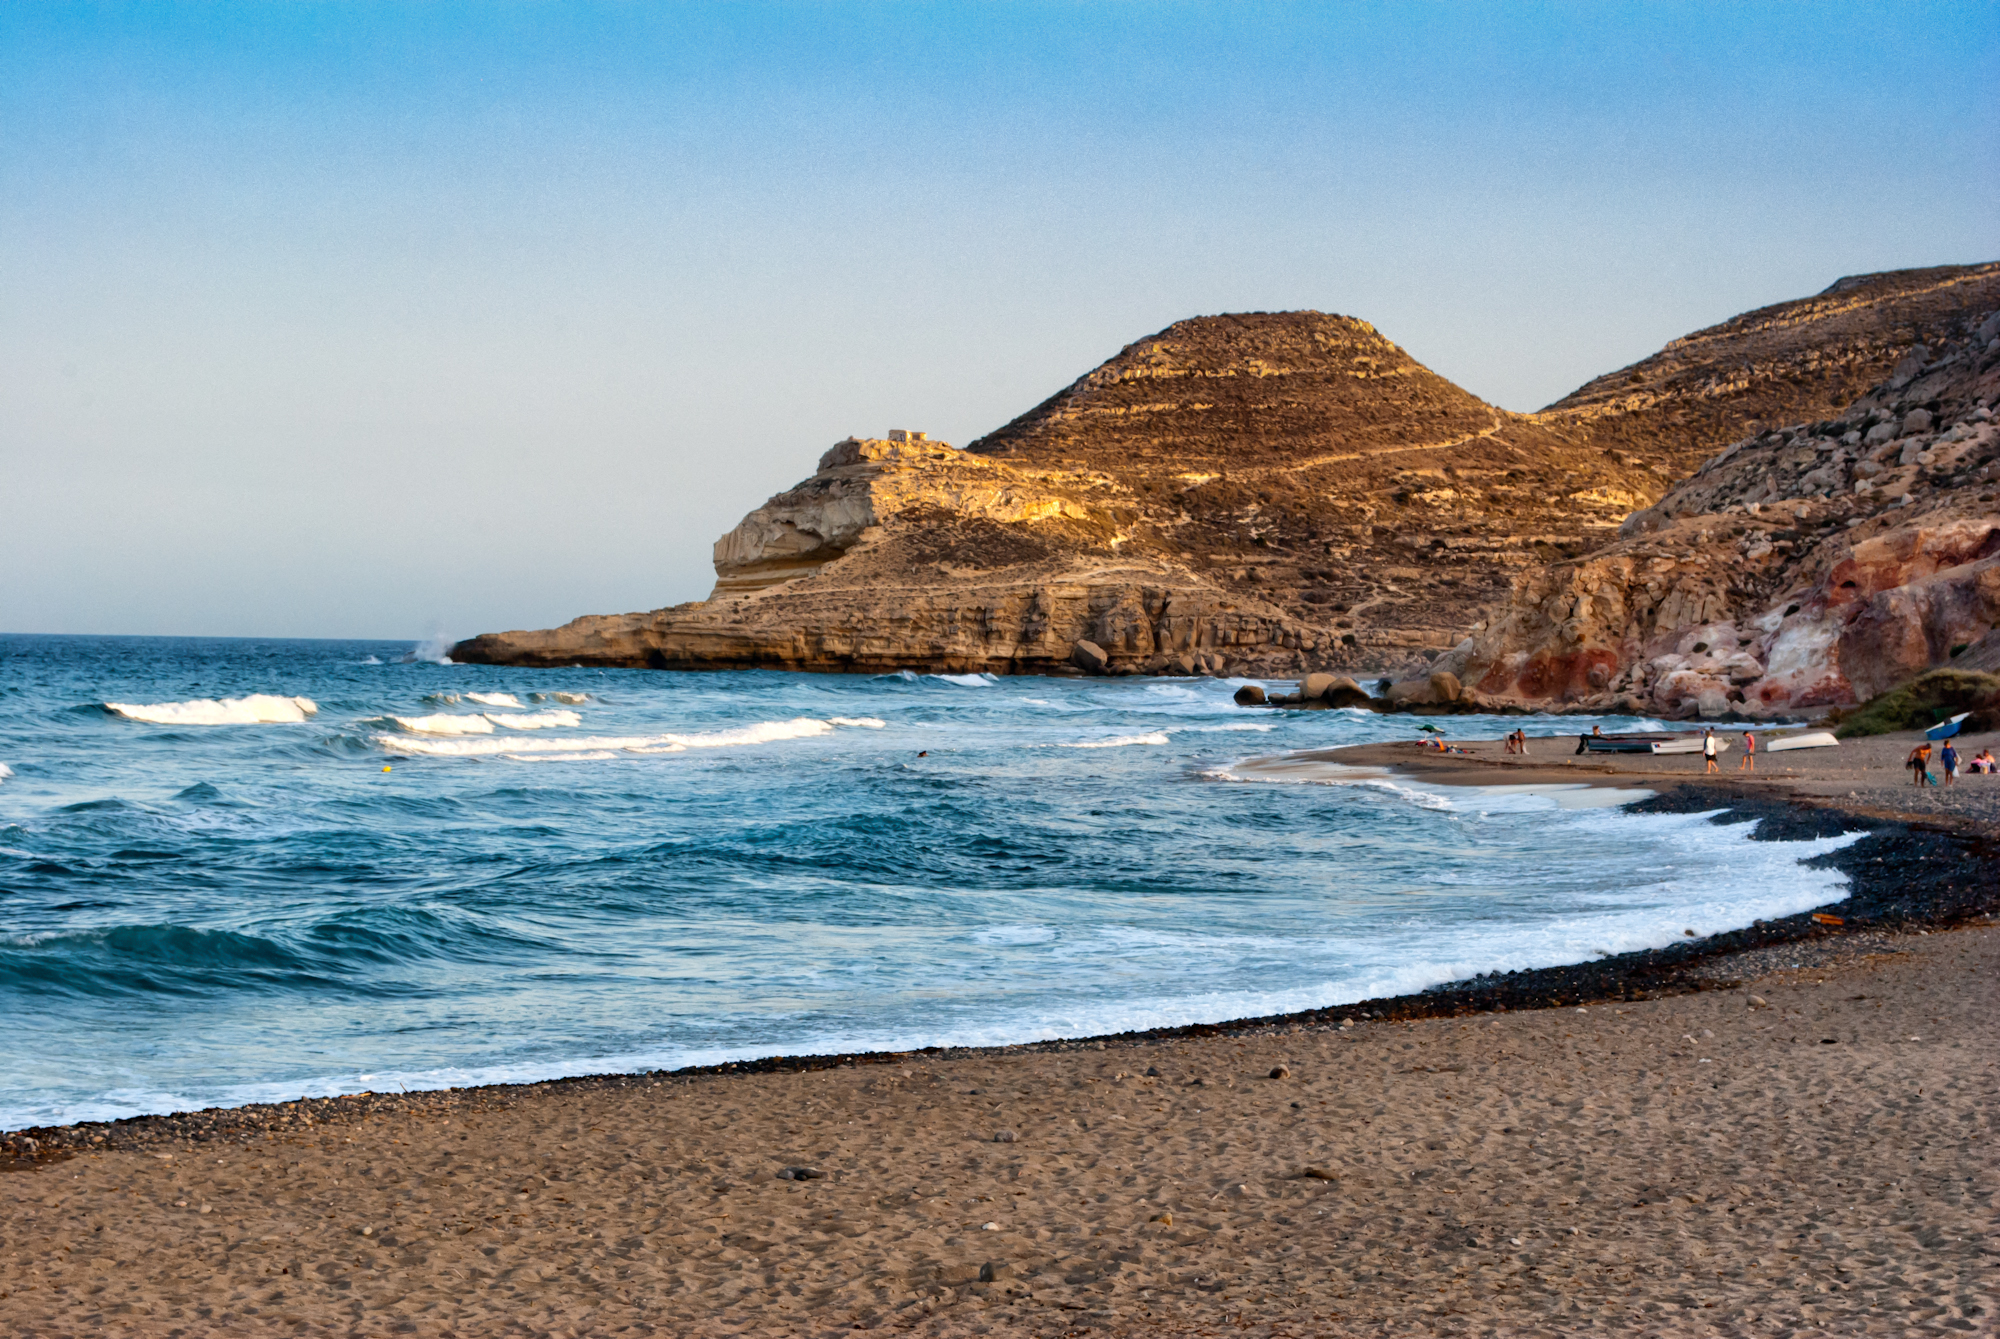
(1260, 493)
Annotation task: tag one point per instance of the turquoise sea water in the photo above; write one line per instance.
(213, 892)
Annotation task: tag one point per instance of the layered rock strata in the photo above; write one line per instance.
(1810, 566)
(1263, 493)
(907, 554)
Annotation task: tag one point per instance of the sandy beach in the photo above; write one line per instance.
(1863, 776)
(1780, 1135)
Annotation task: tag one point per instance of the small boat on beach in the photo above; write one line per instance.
(1690, 744)
(1817, 739)
(1946, 729)
(1617, 744)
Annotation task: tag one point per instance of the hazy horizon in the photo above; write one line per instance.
(379, 321)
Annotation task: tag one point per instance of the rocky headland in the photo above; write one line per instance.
(1808, 566)
(1278, 494)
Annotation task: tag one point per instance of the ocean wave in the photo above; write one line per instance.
(763, 732)
(863, 722)
(369, 660)
(256, 709)
(430, 651)
(1120, 741)
(966, 680)
(5, 771)
(494, 699)
(482, 723)
(568, 699)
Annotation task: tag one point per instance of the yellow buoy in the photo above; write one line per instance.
(385, 768)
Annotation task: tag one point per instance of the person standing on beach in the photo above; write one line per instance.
(1749, 763)
(1948, 758)
(1709, 750)
(1919, 763)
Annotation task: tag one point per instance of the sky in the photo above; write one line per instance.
(398, 319)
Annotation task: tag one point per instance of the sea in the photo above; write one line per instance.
(238, 870)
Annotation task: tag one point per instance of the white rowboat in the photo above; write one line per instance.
(1818, 739)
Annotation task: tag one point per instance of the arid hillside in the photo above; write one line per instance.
(1786, 363)
(1309, 460)
(1812, 565)
(1261, 493)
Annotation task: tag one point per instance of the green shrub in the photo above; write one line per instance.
(1933, 696)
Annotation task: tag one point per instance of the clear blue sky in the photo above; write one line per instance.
(357, 319)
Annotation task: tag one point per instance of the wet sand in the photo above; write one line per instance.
(1863, 776)
(1696, 1164)
(1786, 1130)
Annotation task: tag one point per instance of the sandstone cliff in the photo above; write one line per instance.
(1266, 492)
(906, 554)
(1809, 566)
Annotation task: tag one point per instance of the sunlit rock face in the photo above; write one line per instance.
(1809, 566)
(1276, 493)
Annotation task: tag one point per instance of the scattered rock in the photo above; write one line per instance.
(1758, 1002)
(1004, 1136)
(1281, 1072)
(1319, 1174)
(800, 1174)
(1163, 1219)
(1089, 657)
(1250, 695)
(995, 1271)
(1152, 1071)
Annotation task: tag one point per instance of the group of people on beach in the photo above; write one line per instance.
(1711, 751)
(1919, 763)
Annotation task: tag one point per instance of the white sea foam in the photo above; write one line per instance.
(966, 680)
(482, 723)
(763, 732)
(431, 651)
(538, 720)
(863, 722)
(1120, 741)
(369, 660)
(5, 771)
(494, 699)
(446, 724)
(256, 709)
(568, 699)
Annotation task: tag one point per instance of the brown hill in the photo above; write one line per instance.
(1785, 363)
(1310, 460)
(1267, 492)
(1810, 566)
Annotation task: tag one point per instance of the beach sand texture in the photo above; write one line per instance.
(1695, 1164)
(1863, 775)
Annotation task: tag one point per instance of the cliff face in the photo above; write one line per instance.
(1809, 566)
(907, 554)
(1269, 493)
(1782, 364)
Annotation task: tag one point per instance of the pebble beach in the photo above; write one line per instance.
(1785, 1131)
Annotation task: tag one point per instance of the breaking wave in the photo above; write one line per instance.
(430, 651)
(763, 732)
(482, 724)
(1120, 741)
(568, 699)
(256, 709)
(494, 699)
